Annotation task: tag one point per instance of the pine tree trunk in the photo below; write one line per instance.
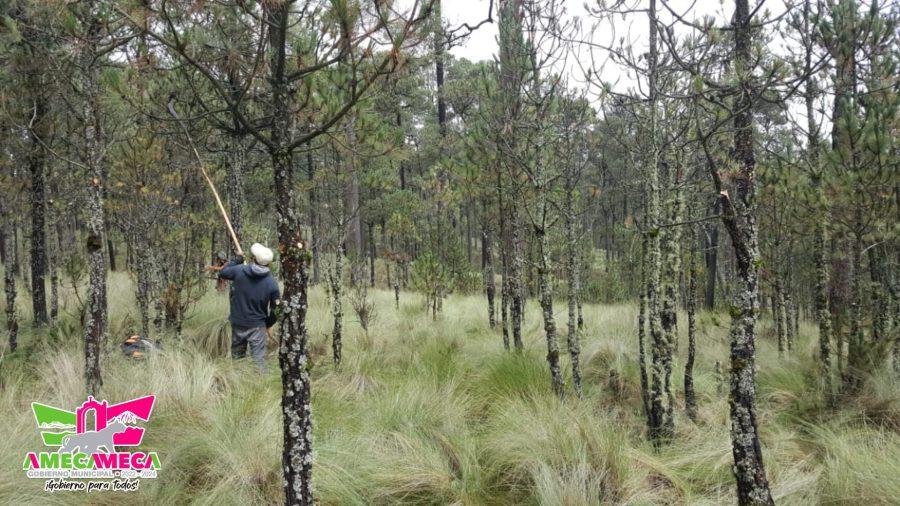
(795, 319)
(740, 221)
(856, 346)
(9, 284)
(671, 272)
(574, 288)
(845, 113)
(712, 261)
(840, 341)
(516, 289)
(504, 263)
(880, 302)
(351, 205)
(642, 328)
(543, 273)
(778, 314)
(788, 319)
(372, 254)
(469, 234)
(897, 357)
(487, 265)
(389, 280)
(690, 398)
(659, 423)
(110, 247)
(439, 44)
(95, 326)
(235, 184)
(580, 306)
(397, 286)
(144, 284)
(337, 313)
(53, 268)
(313, 214)
(36, 165)
(511, 51)
(54, 253)
(749, 470)
(504, 303)
(293, 354)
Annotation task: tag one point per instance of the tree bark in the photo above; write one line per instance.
(9, 279)
(880, 299)
(335, 278)
(543, 273)
(690, 398)
(642, 328)
(110, 247)
(712, 256)
(293, 354)
(504, 302)
(95, 325)
(313, 214)
(671, 272)
(788, 318)
(778, 314)
(351, 205)
(144, 285)
(53, 268)
(740, 222)
(511, 53)
(371, 239)
(439, 67)
(574, 286)
(487, 266)
(36, 161)
(660, 424)
(235, 184)
(504, 263)
(516, 302)
(856, 346)
(397, 292)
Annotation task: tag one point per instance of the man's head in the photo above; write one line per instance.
(261, 254)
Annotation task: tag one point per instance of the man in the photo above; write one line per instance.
(254, 295)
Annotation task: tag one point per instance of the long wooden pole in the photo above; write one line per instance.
(171, 107)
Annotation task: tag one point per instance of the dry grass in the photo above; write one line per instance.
(435, 412)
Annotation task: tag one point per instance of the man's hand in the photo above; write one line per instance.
(269, 331)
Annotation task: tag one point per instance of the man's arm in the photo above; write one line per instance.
(231, 269)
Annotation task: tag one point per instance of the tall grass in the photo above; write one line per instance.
(436, 412)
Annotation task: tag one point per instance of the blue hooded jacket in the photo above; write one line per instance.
(254, 293)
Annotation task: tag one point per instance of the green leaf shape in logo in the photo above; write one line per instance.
(54, 423)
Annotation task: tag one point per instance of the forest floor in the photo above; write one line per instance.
(436, 412)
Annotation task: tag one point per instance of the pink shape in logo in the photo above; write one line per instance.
(139, 408)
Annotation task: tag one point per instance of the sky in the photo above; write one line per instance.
(482, 44)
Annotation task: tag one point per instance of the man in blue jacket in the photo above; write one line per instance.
(254, 296)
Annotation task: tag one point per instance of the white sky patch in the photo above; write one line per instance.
(633, 28)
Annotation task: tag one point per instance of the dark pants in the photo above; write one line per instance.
(255, 337)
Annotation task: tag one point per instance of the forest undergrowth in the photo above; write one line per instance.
(427, 411)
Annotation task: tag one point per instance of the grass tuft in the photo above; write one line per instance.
(427, 411)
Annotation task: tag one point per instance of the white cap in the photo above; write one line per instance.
(262, 254)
